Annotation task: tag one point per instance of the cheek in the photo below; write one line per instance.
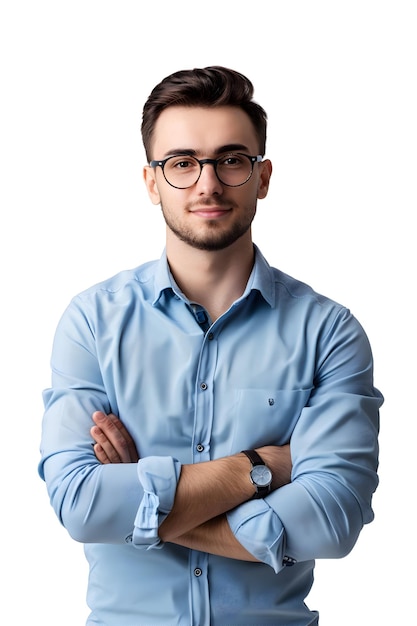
(250, 196)
(173, 201)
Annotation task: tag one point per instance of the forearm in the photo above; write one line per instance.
(203, 492)
(215, 537)
(207, 490)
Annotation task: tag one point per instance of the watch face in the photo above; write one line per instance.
(261, 475)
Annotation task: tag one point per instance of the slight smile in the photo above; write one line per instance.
(210, 212)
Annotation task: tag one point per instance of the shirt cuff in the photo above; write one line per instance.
(260, 531)
(159, 477)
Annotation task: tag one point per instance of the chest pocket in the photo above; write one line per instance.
(266, 416)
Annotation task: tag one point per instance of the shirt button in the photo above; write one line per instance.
(198, 572)
(210, 336)
(203, 386)
(200, 447)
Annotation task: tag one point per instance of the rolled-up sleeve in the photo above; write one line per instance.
(159, 477)
(260, 531)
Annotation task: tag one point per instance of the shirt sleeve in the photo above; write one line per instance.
(159, 477)
(79, 487)
(334, 448)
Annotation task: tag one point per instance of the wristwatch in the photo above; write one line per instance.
(260, 474)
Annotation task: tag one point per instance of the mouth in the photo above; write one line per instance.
(211, 212)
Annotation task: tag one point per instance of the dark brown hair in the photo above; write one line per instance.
(211, 86)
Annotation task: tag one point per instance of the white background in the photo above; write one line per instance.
(338, 80)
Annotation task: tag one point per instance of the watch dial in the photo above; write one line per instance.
(261, 475)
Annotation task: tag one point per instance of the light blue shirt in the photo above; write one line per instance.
(283, 364)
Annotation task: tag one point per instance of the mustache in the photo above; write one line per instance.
(211, 203)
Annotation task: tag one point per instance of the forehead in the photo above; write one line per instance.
(205, 130)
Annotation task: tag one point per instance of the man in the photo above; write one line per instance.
(248, 397)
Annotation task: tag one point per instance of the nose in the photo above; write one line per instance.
(208, 183)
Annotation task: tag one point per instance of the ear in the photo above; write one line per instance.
(264, 177)
(149, 176)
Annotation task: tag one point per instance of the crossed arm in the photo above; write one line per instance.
(203, 497)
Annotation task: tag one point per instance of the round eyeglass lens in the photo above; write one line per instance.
(184, 171)
(234, 169)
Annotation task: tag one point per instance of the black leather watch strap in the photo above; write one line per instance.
(254, 457)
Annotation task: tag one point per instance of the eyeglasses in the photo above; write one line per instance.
(183, 171)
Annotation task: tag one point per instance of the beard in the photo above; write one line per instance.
(215, 235)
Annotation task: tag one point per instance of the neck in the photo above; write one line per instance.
(213, 279)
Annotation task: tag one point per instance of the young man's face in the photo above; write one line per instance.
(209, 215)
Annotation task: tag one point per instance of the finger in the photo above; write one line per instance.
(131, 446)
(110, 437)
(106, 449)
(115, 439)
(118, 435)
(100, 454)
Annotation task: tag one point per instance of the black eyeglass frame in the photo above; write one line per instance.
(214, 162)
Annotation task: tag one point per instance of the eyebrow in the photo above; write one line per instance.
(231, 147)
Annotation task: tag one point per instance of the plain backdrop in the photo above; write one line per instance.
(338, 80)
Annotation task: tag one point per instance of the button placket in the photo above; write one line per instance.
(204, 401)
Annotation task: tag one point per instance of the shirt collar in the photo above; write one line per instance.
(261, 279)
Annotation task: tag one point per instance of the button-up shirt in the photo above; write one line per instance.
(282, 365)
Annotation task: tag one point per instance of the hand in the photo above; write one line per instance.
(113, 441)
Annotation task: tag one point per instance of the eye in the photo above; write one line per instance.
(181, 163)
(231, 160)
